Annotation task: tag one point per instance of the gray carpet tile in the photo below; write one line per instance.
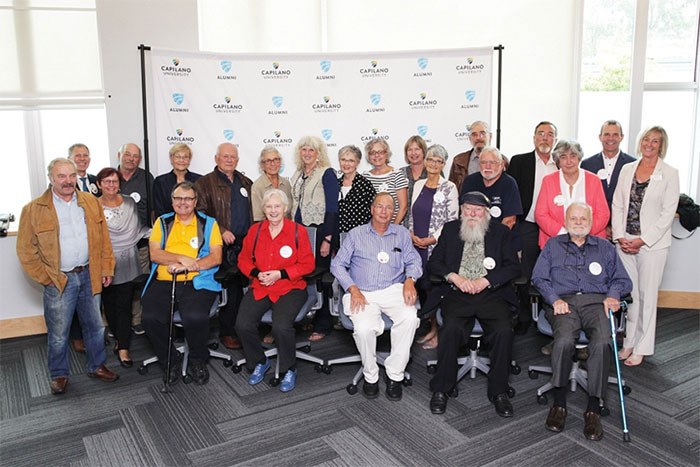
(14, 388)
(113, 448)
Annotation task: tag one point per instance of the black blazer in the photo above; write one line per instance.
(522, 169)
(595, 163)
(92, 181)
(447, 256)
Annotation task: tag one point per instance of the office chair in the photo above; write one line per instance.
(184, 349)
(578, 375)
(313, 303)
(473, 362)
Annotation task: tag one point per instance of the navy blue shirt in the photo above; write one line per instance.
(240, 207)
(564, 268)
(504, 194)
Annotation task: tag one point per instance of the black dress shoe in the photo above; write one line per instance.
(556, 419)
(126, 363)
(503, 406)
(199, 373)
(58, 385)
(370, 390)
(438, 403)
(394, 389)
(592, 428)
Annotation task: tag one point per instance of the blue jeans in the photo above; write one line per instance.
(58, 313)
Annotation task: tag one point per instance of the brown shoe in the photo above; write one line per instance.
(230, 343)
(104, 373)
(592, 428)
(547, 349)
(78, 345)
(556, 419)
(58, 385)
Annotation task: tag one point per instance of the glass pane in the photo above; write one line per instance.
(596, 108)
(66, 55)
(607, 45)
(14, 191)
(9, 78)
(61, 3)
(62, 128)
(671, 41)
(678, 124)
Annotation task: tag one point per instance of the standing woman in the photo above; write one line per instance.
(180, 159)
(270, 163)
(643, 208)
(435, 203)
(315, 204)
(125, 232)
(356, 192)
(385, 179)
(414, 154)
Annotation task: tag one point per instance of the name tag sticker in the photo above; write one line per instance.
(495, 211)
(657, 177)
(383, 257)
(244, 193)
(489, 263)
(439, 197)
(595, 268)
(559, 200)
(135, 196)
(603, 174)
(286, 251)
(108, 214)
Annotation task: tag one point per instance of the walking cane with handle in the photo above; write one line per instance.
(625, 431)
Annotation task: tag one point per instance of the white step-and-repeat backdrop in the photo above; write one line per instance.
(205, 99)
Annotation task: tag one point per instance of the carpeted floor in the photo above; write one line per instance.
(228, 422)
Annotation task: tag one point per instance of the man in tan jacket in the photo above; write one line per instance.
(63, 243)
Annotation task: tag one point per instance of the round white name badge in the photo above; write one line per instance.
(603, 174)
(244, 193)
(439, 197)
(108, 214)
(286, 251)
(194, 242)
(559, 200)
(93, 188)
(489, 263)
(495, 211)
(383, 187)
(595, 268)
(135, 196)
(383, 257)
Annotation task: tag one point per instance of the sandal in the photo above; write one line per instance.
(429, 336)
(430, 344)
(317, 336)
(634, 360)
(269, 339)
(624, 354)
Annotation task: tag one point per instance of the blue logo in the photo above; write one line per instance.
(226, 65)
(422, 130)
(325, 65)
(326, 133)
(179, 98)
(277, 101)
(422, 63)
(470, 95)
(228, 134)
(375, 98)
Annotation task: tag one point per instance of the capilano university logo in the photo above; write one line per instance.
(422, 102)
(470, 95)
(375, 99)
(470, 67)
(226, 66)
(277, 102)
(276, 71)
(228, 134)
(325, 66)
(326, 106)
(179, 137)
(374, 70)
(423, 65)
(228, 106)
(178, 99)
(277, 140)
(174, 69)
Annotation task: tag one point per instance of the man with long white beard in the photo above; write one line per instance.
(478, 262)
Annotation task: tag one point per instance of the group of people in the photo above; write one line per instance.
(585, 231)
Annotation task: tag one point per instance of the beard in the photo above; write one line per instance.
(474, 233)
(544, 148)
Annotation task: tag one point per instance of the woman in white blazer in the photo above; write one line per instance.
(643, 208)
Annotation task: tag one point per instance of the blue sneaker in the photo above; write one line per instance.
(289, 381)
(259, 372)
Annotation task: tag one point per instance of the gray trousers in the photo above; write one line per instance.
(587, 313)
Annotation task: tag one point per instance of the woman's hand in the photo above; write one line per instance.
(268, 278)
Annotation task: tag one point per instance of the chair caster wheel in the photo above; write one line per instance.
(213, 345)
(274, 382)
(515, 369)
(327, 369)
(306, 349)
(142, 370)
(187, 379)
(542, 400)
(351, 389)
(407, 382)
(604, 411)
(532, 374)
(236, 369)
(432, 369)
(318, 368)
(228, 363)
(626, 390)
(454, 392)
(510, 392)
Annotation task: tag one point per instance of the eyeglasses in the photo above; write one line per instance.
(488, 162)
(478, 133)
(109, 182)
(276, 160)
(378, 153)
(435, 161)
(183, 199)
(181, 158)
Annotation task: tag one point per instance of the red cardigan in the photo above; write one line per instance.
(268, 256)
(550, 217)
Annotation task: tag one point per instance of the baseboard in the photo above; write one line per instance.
(19, 327)
(682, 300)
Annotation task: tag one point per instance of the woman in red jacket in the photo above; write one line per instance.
(276, 255)
(570, 183)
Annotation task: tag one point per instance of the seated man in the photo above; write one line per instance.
(580, 278)
(186, 242)
(378, 267)
(476, 257)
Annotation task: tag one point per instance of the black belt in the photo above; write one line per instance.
(77, 269)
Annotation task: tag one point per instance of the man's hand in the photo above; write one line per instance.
(469, 286)
(611, 304)
(409, 292)
(561, 307)
(106, 280)
(188, 263)
(228, 237)
(357, 300)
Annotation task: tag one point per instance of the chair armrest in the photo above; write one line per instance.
(317, 273)
(226, 275)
